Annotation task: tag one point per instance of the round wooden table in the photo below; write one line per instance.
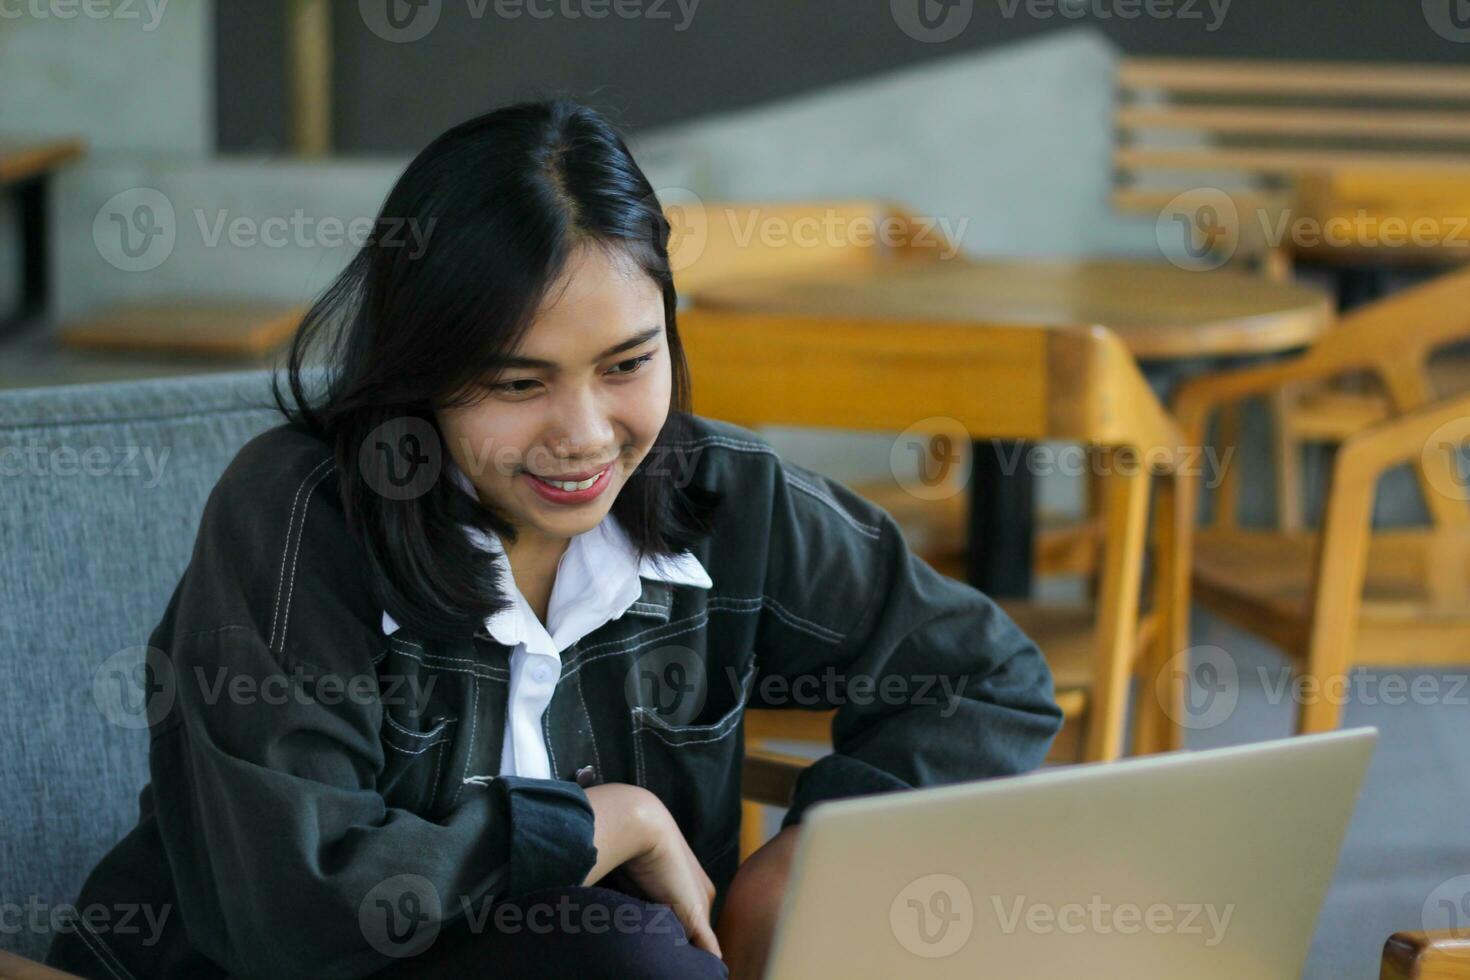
(1163, 313)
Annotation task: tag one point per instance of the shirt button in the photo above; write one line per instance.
(586, 776)
(541, 674)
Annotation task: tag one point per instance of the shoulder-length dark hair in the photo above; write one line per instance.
(471, 236)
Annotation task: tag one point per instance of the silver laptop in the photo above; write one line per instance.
(1210, 864)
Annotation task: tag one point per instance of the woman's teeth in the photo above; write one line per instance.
(569, 487)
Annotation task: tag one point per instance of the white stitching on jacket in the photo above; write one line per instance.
(286, 546)
(295, 555)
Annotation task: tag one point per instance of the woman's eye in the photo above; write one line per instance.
(513, 387)
(632, 365)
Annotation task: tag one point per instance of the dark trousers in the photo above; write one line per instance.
(583, 932)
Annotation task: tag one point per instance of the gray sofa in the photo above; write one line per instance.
(101, 490)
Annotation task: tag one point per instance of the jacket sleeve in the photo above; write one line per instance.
(287, 860)
(931, 681)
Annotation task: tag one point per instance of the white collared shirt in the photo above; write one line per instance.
(597, 580)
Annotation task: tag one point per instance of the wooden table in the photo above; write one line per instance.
(25, 170)
(1161, 312)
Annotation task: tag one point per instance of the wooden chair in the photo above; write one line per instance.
(721, 241)
(1348, 595)
(1077, 384)
(1372, 151)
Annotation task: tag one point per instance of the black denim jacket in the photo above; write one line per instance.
(324, 797)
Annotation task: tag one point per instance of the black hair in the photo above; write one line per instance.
(474, 232)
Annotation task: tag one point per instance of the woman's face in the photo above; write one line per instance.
(581, 399)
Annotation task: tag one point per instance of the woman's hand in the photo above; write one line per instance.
(634, 831)
(748, 918)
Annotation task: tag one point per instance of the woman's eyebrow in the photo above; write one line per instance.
(637, 339)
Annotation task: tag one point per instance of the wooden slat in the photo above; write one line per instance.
(21, 160)
(216, 330)
(1426, 956)
(1327, 78)
(1295, 121)
(1287, 162)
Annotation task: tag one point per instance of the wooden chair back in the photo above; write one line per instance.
(1347, 145)
(1029, 382)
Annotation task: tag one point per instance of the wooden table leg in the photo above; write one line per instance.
(1002, 518)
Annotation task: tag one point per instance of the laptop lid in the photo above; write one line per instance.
(1209, 864)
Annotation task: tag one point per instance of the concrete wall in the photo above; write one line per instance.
(137, 79)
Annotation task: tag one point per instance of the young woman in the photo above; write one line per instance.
(456, 673)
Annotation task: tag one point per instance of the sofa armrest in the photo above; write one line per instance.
(1426, 956)
(14, 967)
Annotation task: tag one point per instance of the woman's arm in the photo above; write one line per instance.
(931, 681)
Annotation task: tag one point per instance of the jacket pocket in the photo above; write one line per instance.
(695, 769)
(414, 751)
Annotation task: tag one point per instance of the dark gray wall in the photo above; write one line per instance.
(394, 96)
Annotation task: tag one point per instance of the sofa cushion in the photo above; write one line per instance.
(103, 487)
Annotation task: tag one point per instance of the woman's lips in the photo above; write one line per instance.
(557, 495)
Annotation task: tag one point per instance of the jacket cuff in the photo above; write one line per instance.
(550, 833)
(836, 777)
